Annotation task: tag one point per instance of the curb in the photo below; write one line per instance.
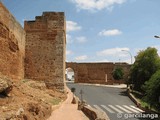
(102, 85)
(90, 112)
(133, 98)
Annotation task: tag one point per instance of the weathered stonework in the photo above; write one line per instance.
(43, 45)
(45, 49)
(98, 73)
(12, 45)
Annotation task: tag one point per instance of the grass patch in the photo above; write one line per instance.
(147, 105)
(55, 101)
(144, 104)
(139, 96)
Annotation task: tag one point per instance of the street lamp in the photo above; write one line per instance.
(129, 54)
(156, 36)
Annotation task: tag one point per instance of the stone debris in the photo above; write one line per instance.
(5, 86)
(28, 102)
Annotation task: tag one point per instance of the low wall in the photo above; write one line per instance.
(94, 114)
(90, 112)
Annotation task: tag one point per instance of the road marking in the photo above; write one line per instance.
(133, 110)
(136, 108)
(118, 108)
(98, 108)
(119, 111)
(127, 111)
(108, 109)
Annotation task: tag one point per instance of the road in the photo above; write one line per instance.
(111, 100)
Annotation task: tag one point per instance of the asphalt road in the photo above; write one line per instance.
(111, 100)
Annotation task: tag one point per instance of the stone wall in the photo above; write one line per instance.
(45, 49)
(99, 73)
(12, 45)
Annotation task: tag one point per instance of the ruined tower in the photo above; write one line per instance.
(45, 49)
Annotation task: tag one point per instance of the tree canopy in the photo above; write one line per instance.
(118, 73)
(146, 63)
(152, 89)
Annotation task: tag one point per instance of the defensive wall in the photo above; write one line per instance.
(97, 73)
(36, 52)
(45, 49)
(12, 45)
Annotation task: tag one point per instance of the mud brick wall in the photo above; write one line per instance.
(92, 72)
(99, 73)
(12, 45)
(45, 49)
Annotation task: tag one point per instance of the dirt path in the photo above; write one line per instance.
(68, 111)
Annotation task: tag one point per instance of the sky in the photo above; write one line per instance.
(99, 30)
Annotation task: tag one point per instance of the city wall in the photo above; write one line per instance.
(36, 52)
(12, 45)
(97, 73)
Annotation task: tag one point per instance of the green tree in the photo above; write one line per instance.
(146, 63)
(118, 73)
(152, 88)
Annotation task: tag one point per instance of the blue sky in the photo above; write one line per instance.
(98, 30)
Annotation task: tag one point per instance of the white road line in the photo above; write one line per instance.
(98, 108)
(127, 111)
(136, 108)
(108, 109)
(119, 111)
(133, 110)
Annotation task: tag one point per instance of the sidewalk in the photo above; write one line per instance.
(101, 85)
(68, 111)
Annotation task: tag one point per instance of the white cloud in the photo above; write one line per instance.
(93, 5)
(112, 52)
(81, 58)
(72, 26)
(69, 52)
(69, 38)
(81, 39)
(112, 32)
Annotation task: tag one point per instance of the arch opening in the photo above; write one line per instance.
(70, 74)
